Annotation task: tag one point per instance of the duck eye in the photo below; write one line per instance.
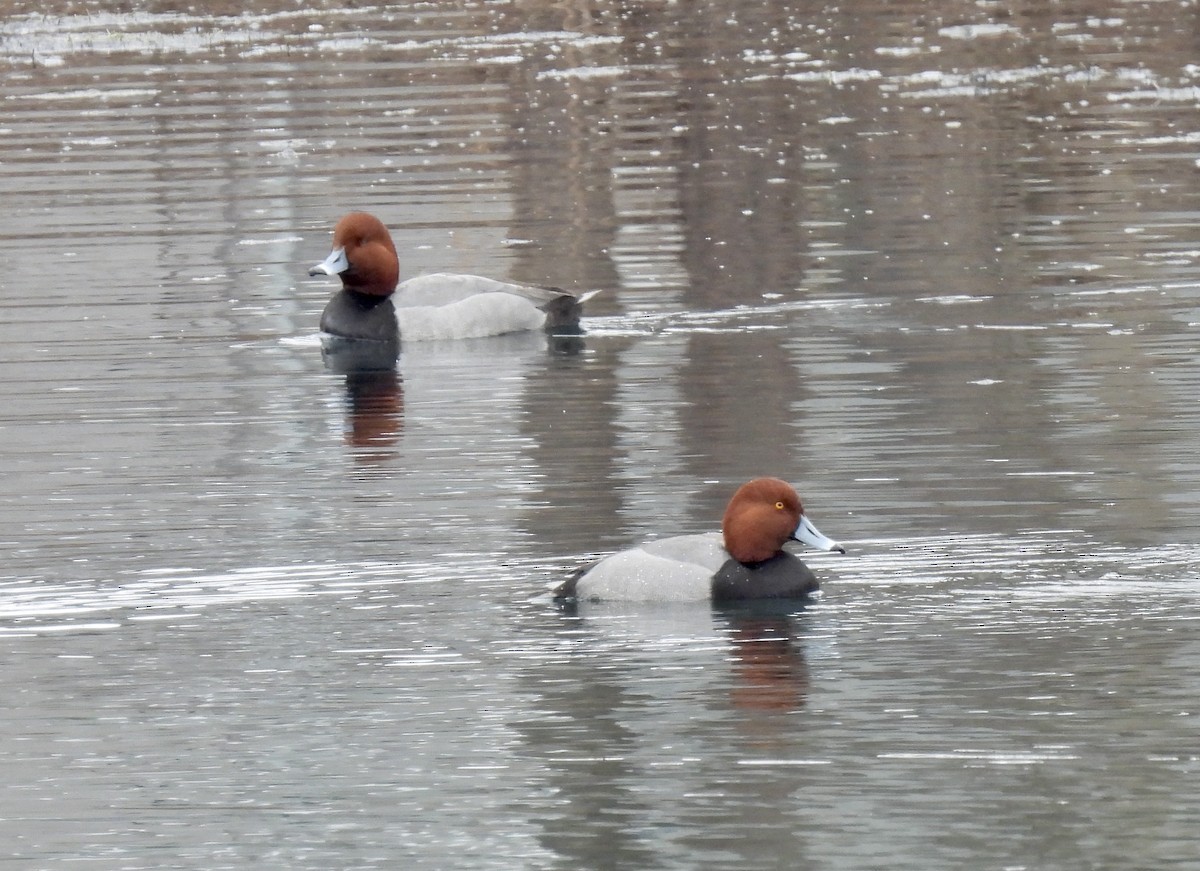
(779, 505)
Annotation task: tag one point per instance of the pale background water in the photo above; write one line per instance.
(937, 263)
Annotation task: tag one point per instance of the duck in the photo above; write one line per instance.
(744, 561)
(374, 305)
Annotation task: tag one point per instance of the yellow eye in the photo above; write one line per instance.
(779, 505)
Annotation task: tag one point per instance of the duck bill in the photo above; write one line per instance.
(335, 264)
(810, 535)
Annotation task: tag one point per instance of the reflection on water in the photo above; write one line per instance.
(771, 673)
(265, 603)
(376, 408)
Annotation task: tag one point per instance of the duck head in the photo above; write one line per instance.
(763, 515)
(363, 256)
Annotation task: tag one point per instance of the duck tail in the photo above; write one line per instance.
(565, 591)
(564, 310)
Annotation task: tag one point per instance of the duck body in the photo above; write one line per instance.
(744, 561)
(689, 568)
(429, 307)
(454, 306)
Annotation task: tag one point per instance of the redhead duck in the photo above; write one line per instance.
(745, 560)
(372, 306)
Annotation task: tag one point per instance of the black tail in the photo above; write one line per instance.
(562, 312)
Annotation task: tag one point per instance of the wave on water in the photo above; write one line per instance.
(771, 315)
(1041, 571)
(30, 607)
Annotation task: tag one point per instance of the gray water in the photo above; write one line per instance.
(936, 263)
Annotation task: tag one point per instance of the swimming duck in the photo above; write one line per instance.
(372, 306)
(745, 560)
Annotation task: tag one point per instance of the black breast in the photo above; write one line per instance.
(354, 315)
(783, 576)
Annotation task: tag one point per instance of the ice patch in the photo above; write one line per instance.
(977, 31)
(275, 241)
(582, 73)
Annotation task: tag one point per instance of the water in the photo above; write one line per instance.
(936, 264)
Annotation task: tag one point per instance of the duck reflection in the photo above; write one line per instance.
(375, 412)
(769, 663)
(769, 668)
(374, 392)
(373, 383)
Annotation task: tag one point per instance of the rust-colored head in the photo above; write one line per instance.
(363, 256)
(761, 516)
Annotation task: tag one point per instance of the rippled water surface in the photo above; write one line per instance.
(936, 263)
